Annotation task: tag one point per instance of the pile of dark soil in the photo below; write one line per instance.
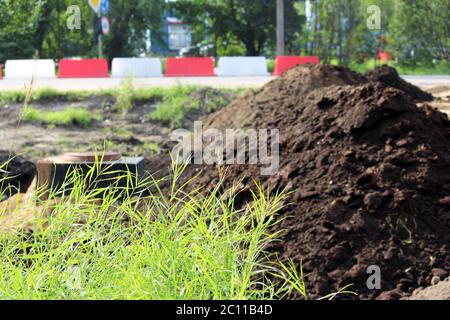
(390, 77)
(368, 175)
(16, 174)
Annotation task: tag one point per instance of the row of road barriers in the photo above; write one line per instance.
(151, 67)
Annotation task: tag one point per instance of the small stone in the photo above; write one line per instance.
(387, 148)
(402, 143)
(439, 272)
(435, 280)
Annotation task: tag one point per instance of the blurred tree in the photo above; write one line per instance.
(130, 21)
(18, 22)
(420, 31)
(416, 31)
(224, 22)
(38, 28)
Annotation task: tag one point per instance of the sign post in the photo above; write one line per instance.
(100, 7)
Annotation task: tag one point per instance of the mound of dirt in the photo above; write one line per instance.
(367, 174)
(390, 77)
(16, 174)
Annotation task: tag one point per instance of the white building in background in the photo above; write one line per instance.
(174, 36)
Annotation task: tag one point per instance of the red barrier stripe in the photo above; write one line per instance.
(190, 67)
(284, 63)
(83, 68)
(384, 56)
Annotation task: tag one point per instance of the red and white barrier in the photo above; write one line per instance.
(27, 69)
(190, 67)
(1, 72)
(284, 63)
(242, 66)
(136, 67)
(83, 68)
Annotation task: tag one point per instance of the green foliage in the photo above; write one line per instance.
(130, 22)
(416, 32)
(80, 117)
(180, 100)
(125, 96)
(38, 28)
(420, 31)
(175, 245)
(239, 26)
(49, 95)
(174, 106)
(18, 23)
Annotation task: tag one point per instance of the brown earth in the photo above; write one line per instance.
(390, 77)
(366, 169)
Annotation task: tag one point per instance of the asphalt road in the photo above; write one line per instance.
(223, 82)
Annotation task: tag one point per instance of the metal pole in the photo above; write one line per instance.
(280, 27)
(100, 47)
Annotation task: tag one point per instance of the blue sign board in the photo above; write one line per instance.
(104, 7)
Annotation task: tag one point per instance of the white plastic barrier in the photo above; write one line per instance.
(19, 69)
(136, 67)
(242, 66)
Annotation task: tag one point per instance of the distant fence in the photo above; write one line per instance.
(136, 67)
(190, 67)
(83, 68)
(151, 67)
(242, 66)
(27, 69)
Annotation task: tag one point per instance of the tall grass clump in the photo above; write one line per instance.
(125, 96)
(172, 109)
(77, 116)
(147, 239)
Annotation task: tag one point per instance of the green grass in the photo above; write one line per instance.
(124, 97)
(52, 95)
(171, 245)
(172, 102)
(442, 68)
(270, 65)
(179, 100)
(77, 116)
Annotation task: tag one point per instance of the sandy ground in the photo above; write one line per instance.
(439, 291)
(223, 82)
(442, 93)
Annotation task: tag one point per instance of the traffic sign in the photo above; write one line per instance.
(104, 7)
(105, 26)
(95, 5)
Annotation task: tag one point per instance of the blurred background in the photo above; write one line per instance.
(412, 35)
